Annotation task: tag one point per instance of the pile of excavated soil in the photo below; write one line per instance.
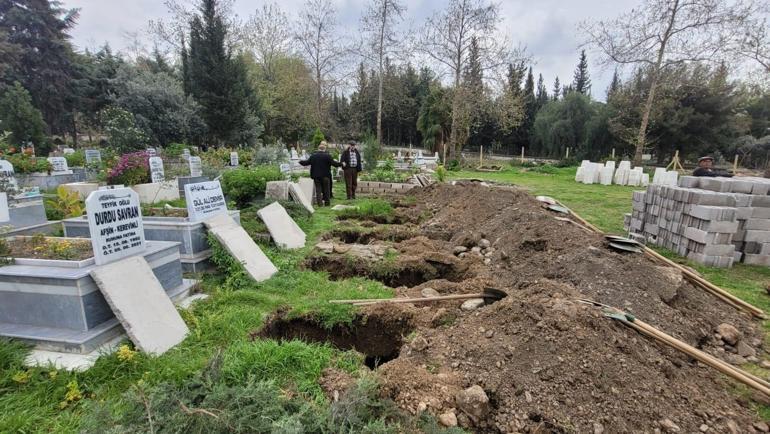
(538, 361)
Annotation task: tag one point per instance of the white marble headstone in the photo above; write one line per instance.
(234, 159)
(196, 166)
(5, 215)
(93, 156)
(58, 164)
(204, 200)
(115, 223)
(157, 173)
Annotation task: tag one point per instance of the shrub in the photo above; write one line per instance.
(317, 137)
(77, 159)
(545, 168)
(23, 163)
(245, 185)
(174, 150)
(131, 169)
(441, 173)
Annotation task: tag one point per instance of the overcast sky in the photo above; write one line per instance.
(546, 27)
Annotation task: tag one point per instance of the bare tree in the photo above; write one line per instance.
(446, 38)
(753, 40)
(268, 36)
(171, 32)
(662, 33)
(320, 45)
(379, 24)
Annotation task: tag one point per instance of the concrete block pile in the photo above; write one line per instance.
(606, 174)
(712, 221)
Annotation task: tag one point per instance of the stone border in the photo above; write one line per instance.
(375, 187)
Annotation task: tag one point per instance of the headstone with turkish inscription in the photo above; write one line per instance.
(196, 166)
(185, 153)
(7, 174)
(58, 164)
(67, 151)
(151, 152)
(115, 222)
(204, 200)
(234, 159)
(93, 156)
(157, 173)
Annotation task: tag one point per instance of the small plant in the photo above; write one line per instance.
(318, 137)
(126, 354)
(76, 159)
(73, 394)
(441, 173)
(67, 203)
(22, 377)
(545, 169)
(25, 163)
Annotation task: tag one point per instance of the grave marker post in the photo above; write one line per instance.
(115, 222)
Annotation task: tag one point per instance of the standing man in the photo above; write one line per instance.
(321, 163)
(351, 165)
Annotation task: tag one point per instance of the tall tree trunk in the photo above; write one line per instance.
(641, 137)
(380, 53)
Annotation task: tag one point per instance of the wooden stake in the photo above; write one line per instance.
(567, 157)
(735, 164)
(613, 153)
(727, 369)
(522, 154)
(481, 156)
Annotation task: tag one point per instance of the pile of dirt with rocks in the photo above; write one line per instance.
(538, 360)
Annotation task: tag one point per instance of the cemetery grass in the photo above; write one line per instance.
(47, 400)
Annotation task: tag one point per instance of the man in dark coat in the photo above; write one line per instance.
(705, 168)
(321, 163)
(351, 165)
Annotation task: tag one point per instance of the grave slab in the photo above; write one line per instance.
(282, 227)
(298, 195)
(277, 190)
(308, 187)
(140, 304)
(240, 245)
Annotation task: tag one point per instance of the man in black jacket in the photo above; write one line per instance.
(321, 163)
(706, 168)
(351, 165)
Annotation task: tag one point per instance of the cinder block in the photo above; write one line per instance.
(702, 197)
(760, 213)
(718, 250)
(721, 227)
(696, 235)
(689, 181)
(715, 184)
(756, 259)
(761, 189)
(757, 236)
(758, 224)
(741, 186)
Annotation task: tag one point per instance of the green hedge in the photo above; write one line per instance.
(246, 185)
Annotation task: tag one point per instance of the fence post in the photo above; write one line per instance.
(522, 154)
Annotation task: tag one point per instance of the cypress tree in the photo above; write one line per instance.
(217, 79)
(556, 89)
(582, 82)
(20, 118)
(542, 94)
(614, 85)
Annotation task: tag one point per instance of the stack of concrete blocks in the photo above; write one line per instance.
(665, 177)
(606, 173)
(713, 221)
(621, 175)
(590, 173)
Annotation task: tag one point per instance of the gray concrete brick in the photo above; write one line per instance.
(756, 259)
(721, 227)
(719, 249)
(760, 213)
(715, 184)
(757, 236)
(689, 181)
(758, 224)
(760, 189)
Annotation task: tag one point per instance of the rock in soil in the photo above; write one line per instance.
(472, 304)
(745, 350)
(448, 419)
(729, 333)
(429, 292)
(473, 401)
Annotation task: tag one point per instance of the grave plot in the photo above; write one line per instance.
(537, 360)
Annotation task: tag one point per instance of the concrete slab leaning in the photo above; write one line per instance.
(240, 245)
(282, 227)
(140, 304)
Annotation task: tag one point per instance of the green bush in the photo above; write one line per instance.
(78, 159)
(441, 173)
(246, 185)
(174, 150)
(545, 168)
(23, 163)
(318, 137)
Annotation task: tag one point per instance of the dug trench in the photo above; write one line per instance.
(537, 361)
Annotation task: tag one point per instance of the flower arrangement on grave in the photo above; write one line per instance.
(130, 169)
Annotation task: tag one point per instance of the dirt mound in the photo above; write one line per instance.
(538, 361)
(549, 364)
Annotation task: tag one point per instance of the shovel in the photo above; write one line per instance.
(490, 295)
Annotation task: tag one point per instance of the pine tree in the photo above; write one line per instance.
(582, 82)
(218, 80)
(20, 118)
(514, 78)
(542, 94)
(556, 89)
(530, 103)
(37, 33)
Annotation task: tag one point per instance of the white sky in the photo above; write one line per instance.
(547, 27)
